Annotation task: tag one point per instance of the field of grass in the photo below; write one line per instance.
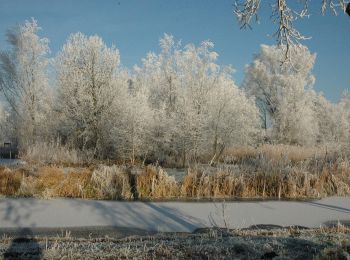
(253, 243)
(279, 171)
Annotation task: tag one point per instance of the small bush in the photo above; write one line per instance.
(10, 181)
(77, 185)
(42, 183)
(27, 187)
(198, 184)
(111, 182)
(155, 183)
(54, 153)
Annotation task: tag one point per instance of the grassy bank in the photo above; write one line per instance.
(284, 172)
(254, 243)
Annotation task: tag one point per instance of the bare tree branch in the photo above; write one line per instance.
(283, 16)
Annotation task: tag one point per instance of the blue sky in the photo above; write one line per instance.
(135, 27)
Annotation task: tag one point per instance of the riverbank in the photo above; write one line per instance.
(153, 183)
(262, 243)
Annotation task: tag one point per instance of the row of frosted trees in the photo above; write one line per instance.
(177, 104)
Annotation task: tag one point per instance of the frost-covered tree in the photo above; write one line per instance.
(197, 75)
(221, 114)
(3, 124)
(284, 93)
(341, 117)
(333, 119)
(133, 130)
(24, 82)
(90, 83)
(195, 98)
(284, 13)
(232, 118)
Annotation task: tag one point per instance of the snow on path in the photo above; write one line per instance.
(169, 216)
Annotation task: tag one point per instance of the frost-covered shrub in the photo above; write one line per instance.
(111, 182)
(54, 153)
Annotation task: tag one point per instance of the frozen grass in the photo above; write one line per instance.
(272, 171)
(255, 243)
(291, 185)
(274, 153)
(53, 153)
(266, 172)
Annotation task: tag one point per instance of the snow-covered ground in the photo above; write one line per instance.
(169, 216)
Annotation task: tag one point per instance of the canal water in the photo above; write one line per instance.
(10, 162)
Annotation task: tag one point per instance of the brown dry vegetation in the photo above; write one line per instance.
(155, 183)
(51, 181)
(111, 182)
(294, 185)
(265, 172)
(9, 181)
(76, 185)
(274, 153)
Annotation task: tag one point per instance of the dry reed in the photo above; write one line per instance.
(278, 171)
(111, 182)
(9, 181)
(155, 183)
